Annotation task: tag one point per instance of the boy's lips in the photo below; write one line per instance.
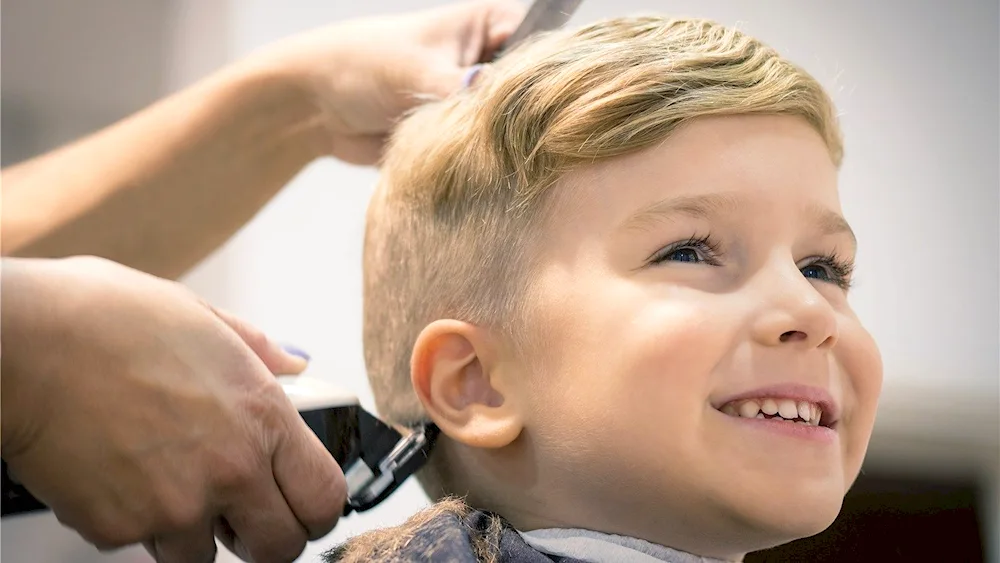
(784, 392)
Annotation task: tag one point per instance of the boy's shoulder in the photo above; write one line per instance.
(450, 534)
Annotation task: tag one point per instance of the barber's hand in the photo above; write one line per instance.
(365, 74)
(140, 414)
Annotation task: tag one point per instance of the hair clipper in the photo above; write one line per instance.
(375, 457)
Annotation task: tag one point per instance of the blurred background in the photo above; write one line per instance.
(916, 82)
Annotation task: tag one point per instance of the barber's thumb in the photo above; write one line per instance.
(280, 360)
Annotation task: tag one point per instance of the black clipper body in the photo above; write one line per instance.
(375, 457)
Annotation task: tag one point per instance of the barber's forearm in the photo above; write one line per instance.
(164, 188)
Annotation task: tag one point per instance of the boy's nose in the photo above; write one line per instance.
(793, 313)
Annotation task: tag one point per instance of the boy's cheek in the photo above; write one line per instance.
(860, 364)
(629, 348)
(645, 369)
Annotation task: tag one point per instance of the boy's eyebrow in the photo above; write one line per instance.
(833, 223)
(697, 207)
(707, 205)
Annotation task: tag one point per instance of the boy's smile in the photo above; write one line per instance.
(791, 409)
(698, 378)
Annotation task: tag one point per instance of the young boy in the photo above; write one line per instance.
(614, 274)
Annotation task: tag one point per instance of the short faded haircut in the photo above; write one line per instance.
(452, 229)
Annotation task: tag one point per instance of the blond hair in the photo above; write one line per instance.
(466, 181)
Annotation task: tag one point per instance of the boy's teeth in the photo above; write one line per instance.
(788, 409)
(769, 407)
(803, 411)
(817, 414)
(749, 409)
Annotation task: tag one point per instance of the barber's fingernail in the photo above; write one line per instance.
(295, 351)
(470, 75)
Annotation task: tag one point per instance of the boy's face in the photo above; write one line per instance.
(681, 287)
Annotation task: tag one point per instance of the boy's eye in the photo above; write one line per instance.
(830, 269)
(816, 272)
(683, 255)
(827, 269)
(693, 251)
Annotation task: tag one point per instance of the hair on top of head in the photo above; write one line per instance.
(467, 180)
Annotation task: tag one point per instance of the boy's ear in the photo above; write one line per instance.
(454, 371)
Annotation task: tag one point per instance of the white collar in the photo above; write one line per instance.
(597, 547)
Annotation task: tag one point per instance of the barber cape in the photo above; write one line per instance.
(456, 538)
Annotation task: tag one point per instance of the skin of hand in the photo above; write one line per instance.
(365, 74)
(162, 189)
(139, 413)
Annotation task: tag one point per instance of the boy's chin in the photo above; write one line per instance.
(788, 516)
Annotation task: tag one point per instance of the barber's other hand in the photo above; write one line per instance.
(140, 414)
(364, 74)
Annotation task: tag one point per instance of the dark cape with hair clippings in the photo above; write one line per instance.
(451, 537)
(451, 532)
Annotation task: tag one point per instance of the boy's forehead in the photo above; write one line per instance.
(709, 167)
